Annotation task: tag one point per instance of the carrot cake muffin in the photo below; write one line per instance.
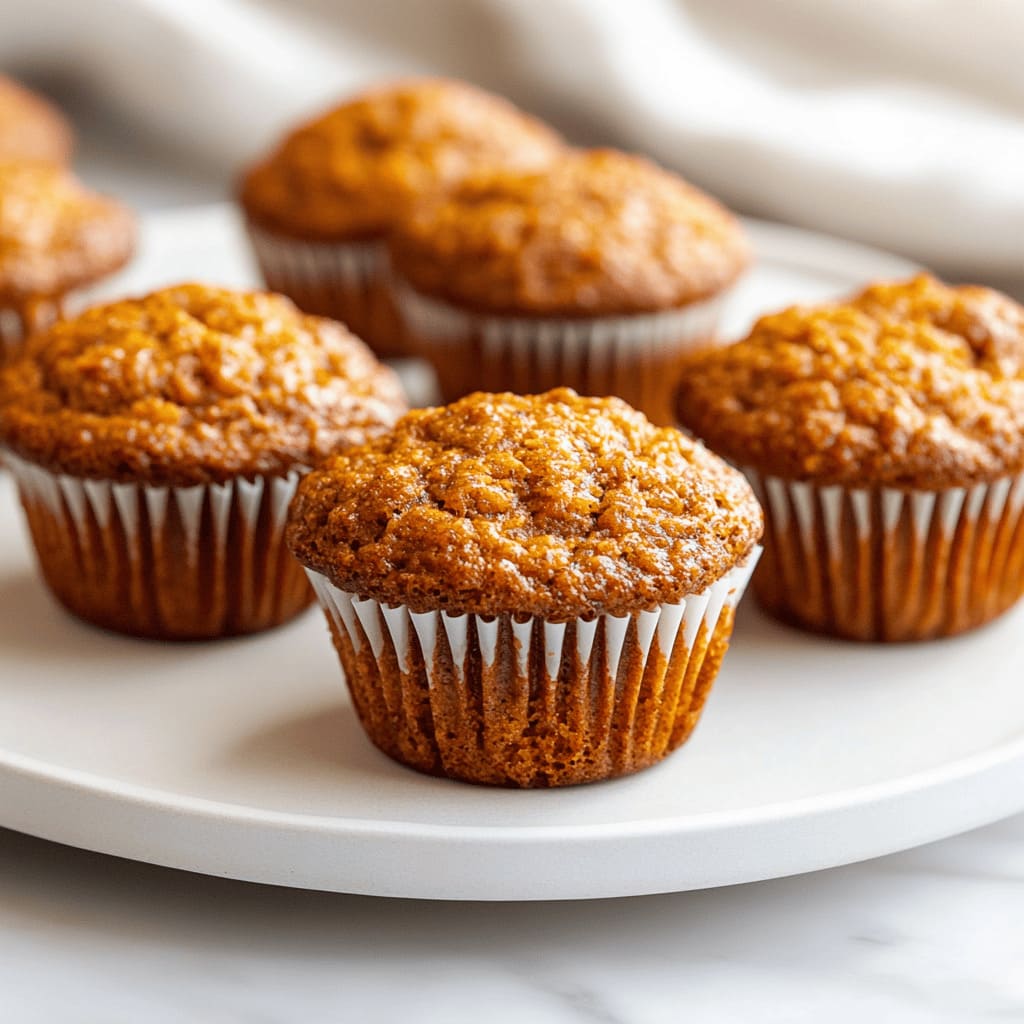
(321, 203)
(885, 437)
(527, 591)
(156, 443)
(31, 128)
(601, 273)
(55, 236)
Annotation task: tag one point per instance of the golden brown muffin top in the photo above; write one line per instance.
(192, 384)
(30, 127)
(55, 234)
(551, 505)
(598, 233)
(909, 384)
(351, 173)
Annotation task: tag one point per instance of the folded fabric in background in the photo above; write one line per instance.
(897, 122)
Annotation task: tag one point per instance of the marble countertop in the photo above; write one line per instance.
(931, 935)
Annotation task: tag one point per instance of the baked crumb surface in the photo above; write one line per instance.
(55, 234)
(597, 233)
(353, 171)
(551, 505)
(31, 128)
(192, 384)
(908, 384)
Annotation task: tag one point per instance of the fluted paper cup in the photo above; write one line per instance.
(17, 323)
(346, 281)
(525, 702)
(165, 562)
(887, 564)
(635, 357)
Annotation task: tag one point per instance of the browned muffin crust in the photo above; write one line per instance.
(55, 234)
(30, 127)
(550, 505)
(598, 233)
(908, 384)
(192, 384)
(352, 172)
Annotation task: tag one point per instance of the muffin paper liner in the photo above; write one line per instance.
(634, 357)
(347, 281)
(526, 702)
(889, 564)
(165, 562)
(17, 324)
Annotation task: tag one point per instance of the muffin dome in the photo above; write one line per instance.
(30, 127)
(909, 384)
(352, 172)
(597, 233)
(550, 505)
(55, 234)
(189, 385)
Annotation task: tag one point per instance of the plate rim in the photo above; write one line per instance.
(888, 790)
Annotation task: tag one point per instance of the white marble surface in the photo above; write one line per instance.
(932, 935)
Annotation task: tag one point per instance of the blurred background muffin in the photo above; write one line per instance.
(31, 128)
(601, 273)
(319, 206)
(528, 590)
(56, 236)
(156, 443)
(884, 436)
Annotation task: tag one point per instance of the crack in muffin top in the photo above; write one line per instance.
(192, 384)
(55, 234)
(598, 233)
(351, 173)
(31, 128)
(550, 505)
(911, 384)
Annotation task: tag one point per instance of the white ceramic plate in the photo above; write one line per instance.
(244, 758)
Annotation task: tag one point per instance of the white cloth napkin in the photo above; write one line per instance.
(898, 122)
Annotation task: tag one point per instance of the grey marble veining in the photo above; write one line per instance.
(931, 935)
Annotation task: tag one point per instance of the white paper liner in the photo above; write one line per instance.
(189, 562)
(633, 686)
(298, 264)
(890, 564)
(15, 325)
(11, 332)
(630, 356)
(348, 281)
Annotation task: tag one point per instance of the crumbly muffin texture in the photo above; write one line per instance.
(30, 127)
(598, 233)
(192, 384)
(551, 505)
(908, 384)
(55, 234)
(353, 172)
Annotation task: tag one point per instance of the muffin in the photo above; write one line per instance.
(885, 438)
(156, 443)
(319, 206)
(30, 127)
(56, 236)
(600, 273)
(527, 591)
